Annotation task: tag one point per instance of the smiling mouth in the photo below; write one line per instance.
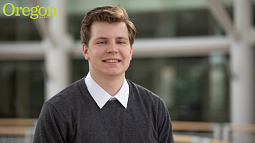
(111, 61)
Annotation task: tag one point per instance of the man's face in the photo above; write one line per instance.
(109, 51)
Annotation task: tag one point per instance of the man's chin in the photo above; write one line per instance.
(114, 74)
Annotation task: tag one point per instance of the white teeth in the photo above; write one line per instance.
(111, 61)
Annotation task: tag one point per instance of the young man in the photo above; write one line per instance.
(104, 107)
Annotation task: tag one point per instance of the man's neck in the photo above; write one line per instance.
(110, 84)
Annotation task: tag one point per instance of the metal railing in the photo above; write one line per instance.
(22, 131)
(17, 130)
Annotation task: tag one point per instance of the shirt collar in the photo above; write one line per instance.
(101, 97)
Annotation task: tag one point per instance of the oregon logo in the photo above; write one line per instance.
(33, 12)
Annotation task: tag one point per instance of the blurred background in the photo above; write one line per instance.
(197, 55)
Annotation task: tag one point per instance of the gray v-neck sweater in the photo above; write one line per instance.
(72, 116)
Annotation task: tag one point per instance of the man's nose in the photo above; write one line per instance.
(112, 48)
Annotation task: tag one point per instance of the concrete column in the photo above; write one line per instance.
(58, 70)
(57, 56)
(217, 91)
(242, 64)
(58, 25)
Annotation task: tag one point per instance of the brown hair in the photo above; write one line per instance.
(106, 14)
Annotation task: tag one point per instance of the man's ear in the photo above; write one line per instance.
(131, 52)
(85, 51)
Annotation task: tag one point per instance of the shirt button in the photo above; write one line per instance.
(112, 98)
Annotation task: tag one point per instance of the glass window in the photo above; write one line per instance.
(18, 29)
(163, 23)
(21, 89)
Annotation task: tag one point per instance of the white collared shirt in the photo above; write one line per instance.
(101, 97)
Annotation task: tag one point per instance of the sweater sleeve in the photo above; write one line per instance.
(165, 133)
(50, 127)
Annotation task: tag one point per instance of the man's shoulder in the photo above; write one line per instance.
(68, 95)
(143, 92)
(142, 97)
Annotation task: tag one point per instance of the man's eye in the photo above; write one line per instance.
(120, 42)
(101, 42)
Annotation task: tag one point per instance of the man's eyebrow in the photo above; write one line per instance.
(101, 38)
(107, 38)
(122, 38)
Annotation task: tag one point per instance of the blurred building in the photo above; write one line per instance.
(182, 53)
